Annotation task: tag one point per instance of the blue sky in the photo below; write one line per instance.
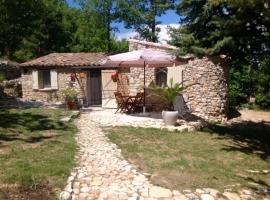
(168, 19)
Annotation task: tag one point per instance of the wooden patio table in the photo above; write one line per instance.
(133, 101)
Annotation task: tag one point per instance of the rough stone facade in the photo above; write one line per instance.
(64, 80)
(206, 93)
(206, 78)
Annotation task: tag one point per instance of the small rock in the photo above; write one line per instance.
(207, 197)
(159, 192)
(211, 191)
(265, 171)
(85, 189)
(246, 197)
(199, 191)
(65, 119)
(246, 192)
(65, 195)
(83, 196)
(85, 180)
(231, 196)
(253, 171)
(192, 196)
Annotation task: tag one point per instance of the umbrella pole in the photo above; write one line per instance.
(144, 87)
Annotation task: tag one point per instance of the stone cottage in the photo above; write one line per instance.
(206, 78)
(44, 78)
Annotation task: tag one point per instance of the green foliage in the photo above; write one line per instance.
(2, 77)
(262, 77)
(69, 94)
(141, 15)
(41, 27)
(168, 92)
(234, 28)
(238, 29)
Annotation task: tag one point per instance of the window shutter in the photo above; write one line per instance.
(35, 79)
(54, 79)
(175, 73)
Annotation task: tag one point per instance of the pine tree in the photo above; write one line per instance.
(141, 15)
(239, 29)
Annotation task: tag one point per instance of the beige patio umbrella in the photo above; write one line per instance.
(143, 58)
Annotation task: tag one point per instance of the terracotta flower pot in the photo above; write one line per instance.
(71, 105)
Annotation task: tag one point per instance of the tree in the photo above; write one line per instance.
(141, 15)
(36, 28)
(39, 27)
(239, 29)
(102, 13)
(234, 28)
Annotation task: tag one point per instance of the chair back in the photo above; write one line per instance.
(139, 97)
(180, 105)
(118, 97)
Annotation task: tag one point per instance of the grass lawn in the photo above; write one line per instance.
(36, 152)
(217, 157)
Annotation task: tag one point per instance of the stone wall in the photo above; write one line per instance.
(11, 88)
(206, 82)
(64, 81)
(9, 70)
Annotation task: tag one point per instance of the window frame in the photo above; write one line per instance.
(164, 72)
(47, 84)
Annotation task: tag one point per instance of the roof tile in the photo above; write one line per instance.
(67, 60)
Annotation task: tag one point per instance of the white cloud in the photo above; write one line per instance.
(163, 34)
(127, 35)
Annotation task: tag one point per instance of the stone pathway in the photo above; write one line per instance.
(107, 117)
(102, 172)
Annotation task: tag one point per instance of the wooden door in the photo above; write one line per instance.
(94, 94)
(108, 89)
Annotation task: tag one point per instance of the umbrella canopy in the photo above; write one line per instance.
(142, 58)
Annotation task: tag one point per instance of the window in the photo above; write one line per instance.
(45, 79)
(161, 76)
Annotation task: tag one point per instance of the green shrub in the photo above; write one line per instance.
(2, 77)
(69, 94)
(263, 100)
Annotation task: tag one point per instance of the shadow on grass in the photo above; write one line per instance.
(248, 137)
(14, 124)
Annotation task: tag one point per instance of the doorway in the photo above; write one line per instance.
(94, 93)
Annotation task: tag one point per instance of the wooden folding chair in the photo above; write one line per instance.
(184, 111)
(121, 103)
(136, 102)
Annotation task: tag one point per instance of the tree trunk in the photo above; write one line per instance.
(153, 23)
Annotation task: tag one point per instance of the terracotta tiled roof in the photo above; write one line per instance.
(67, 60)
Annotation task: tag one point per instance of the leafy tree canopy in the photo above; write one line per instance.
(235, 28)
(32, 28)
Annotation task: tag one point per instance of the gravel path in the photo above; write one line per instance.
(102, 172)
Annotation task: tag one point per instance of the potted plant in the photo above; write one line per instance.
(70, 97)
(168, 93)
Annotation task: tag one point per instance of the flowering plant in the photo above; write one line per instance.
(114, 77)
